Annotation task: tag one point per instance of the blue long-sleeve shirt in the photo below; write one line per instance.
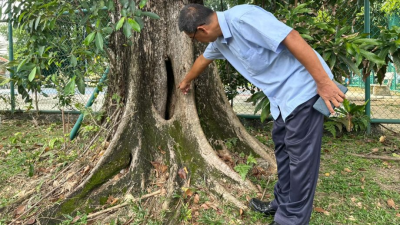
(252, 43)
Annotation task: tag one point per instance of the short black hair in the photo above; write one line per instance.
(192, 16)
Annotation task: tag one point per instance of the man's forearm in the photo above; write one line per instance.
(198, 67)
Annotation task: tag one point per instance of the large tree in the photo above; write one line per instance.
(157, 126)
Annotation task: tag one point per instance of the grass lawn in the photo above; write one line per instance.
(351, 189)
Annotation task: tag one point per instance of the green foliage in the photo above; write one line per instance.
(351, 117)
(230, 143)
(67, 41)
(391, 7)
(233, 80)
(79, 219)
(243, 169)
(261, 101)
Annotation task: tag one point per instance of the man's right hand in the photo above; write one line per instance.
(184, 86)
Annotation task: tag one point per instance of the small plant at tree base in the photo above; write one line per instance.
(243, 169)
(351, 116)
(230, 143)
(78, 219)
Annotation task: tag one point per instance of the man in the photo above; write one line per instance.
(275, 58)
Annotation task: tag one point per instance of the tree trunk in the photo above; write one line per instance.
(159, 127)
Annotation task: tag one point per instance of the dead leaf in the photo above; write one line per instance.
(31, 221)
(20, 209)
(162, 151)
(327, 174)
(111, 200)
(374, 150)
(196, 198)
(182, 173)
(351, 218)
(212, 205)
(382, 139)
(225, 155)
(205, 206)
(106, 144)
(70, 185)
(85, 170)
(76, 219)
(347, 170)
(240, 211)
(398, 215)
(160, 168)
(391, 204)
(117, 176)
(321, 210)
(188, 192)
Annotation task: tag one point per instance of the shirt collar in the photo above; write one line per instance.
(226, 33)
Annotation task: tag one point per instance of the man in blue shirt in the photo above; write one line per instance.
(275, 58)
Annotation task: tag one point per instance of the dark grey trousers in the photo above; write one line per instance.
(297, 150)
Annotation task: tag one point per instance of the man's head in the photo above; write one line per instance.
(199, 22)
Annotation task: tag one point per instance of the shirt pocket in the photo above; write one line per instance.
(255, 59)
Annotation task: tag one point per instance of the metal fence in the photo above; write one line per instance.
(384, 101)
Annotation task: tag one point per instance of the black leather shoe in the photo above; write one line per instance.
(274, 223)
(262, 207)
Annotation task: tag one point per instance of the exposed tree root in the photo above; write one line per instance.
(96, 214)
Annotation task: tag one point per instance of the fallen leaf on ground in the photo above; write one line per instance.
(111, 200)
(85, 170)
(382, 139)
(391, 204)
(375, 150)
(196, 198)
(182, 173)
(204, 206)
(76, 219)
(20, 209)
(321, 210)
(351, 218)
(188, 192)
(31, 221)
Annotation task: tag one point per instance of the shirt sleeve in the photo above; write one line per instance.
(212, 52)
(262, 28)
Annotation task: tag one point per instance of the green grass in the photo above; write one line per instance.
(351, 189)
(27, 152)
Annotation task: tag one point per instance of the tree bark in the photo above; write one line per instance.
(158, 125)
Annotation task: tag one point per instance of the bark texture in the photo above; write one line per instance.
(157, 123)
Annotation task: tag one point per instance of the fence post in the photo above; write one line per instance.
(11, 57)
(367, 29)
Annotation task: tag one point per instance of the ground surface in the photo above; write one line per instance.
(38, 167)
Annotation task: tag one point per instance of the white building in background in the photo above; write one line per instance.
(3, 46)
